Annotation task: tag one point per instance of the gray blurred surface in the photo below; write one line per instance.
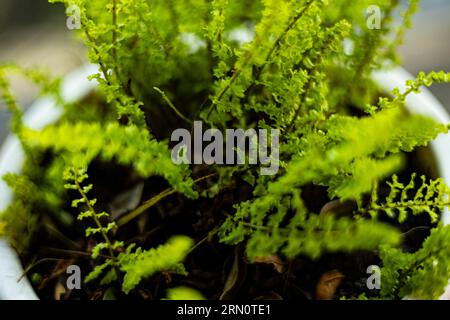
(427, 44)
(33, 32)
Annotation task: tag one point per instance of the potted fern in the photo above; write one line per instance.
(107, 190)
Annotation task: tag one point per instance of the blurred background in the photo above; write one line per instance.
(34, 32)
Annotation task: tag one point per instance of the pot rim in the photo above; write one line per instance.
(76, 86)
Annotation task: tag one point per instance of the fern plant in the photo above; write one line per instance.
(421, 274)
(301, 67)
(136, 265)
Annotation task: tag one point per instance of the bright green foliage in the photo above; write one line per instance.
(311, 237)
(142, 264)
(430, 198)
(128, 145)
(348, 157)
(421, 275)
(295, 40)
(304, 69)
(303, 234)
(111, 83)
(184, 293)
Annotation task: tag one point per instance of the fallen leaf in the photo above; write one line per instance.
(126, 201)
(269, 296)
(338, 208)
(328, 284)
(60, 291)
(277, 263)
(235, 277)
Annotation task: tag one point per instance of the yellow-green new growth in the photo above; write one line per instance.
(75, 178)
(143, 264)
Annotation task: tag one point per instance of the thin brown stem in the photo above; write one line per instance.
(172, 106)
(152, 202)
(75, 252)
(210, 234)
(34, 264)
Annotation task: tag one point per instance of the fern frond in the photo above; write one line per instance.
(412, 86)
(428, 197)
(421, 275)
(75, 178)
(231, 89)
(305, 234)
(128, 145)
(142, 264)
(333, 158)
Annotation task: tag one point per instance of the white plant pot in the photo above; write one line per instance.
(76, 86)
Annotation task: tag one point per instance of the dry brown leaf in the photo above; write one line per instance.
(274, 260)
(235, 277)
(60, 291)
(338, 208)
(272, 295)
(328, 284)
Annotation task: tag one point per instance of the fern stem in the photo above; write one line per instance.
(75, 252)
(145, 206)
(102, 65)
(34, 264)
(153, 201)
(208, 236)
(172, 106)
(173, 15)
(404, 275)
(114, 31)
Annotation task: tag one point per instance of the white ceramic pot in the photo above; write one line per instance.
(76, 86)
